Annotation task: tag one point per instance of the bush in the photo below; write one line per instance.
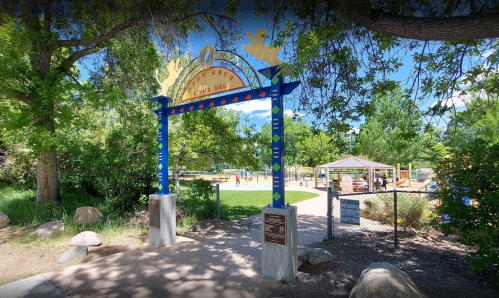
(17, 165)
(468, 183)
(199, 199)
(412, 211)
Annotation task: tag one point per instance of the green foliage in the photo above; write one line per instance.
(17, 165)
(208, 137)
(480, 120)
(199, 199)
(471, 172)
(113, 155)
(412, 211)
(394, 132)
(316, 149)
(43, 48)
(344, 61)
(22, 209)
(301, 145)
(25, 213)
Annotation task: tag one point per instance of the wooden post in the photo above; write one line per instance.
(339, 185)
(410, 175)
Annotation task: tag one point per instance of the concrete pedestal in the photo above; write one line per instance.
(279, 243)
(162, 219)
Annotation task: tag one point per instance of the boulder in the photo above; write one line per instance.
(75, 253)
(318, 255)
(86, 238)
(4, 220)
(49, 229)
(87, 215)
(381, 280)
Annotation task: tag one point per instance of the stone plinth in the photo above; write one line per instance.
(162, 219)
(279, 243)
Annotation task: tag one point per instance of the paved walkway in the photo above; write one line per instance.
(228, 266)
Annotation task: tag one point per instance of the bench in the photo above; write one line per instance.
(215, 179)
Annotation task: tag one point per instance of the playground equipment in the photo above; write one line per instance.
(401, 181)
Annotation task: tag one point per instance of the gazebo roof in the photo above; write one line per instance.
(355, 163)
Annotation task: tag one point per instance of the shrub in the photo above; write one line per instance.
(199, 199)
(412, 211)
(469, 190)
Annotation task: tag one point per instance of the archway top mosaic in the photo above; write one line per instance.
(217, 71)
(213, 72)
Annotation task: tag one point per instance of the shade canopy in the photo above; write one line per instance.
(355, 163)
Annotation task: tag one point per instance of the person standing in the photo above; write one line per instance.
(237, 180)
(384, 181)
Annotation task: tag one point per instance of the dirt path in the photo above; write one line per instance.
(439, 269)
(20, 258)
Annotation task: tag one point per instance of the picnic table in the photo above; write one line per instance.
(215, 179)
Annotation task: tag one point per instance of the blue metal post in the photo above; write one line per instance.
(162, 146)
(277, 139)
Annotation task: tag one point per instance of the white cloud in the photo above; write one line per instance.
(457, 100)
(487, 53)
(354, 130)
(291, 113)
(248, 107)
(265, 115)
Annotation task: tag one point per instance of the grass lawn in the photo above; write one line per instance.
(22, 210)
(240, 204)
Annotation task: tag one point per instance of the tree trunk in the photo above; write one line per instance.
(181, 154)
(47, 182)
(177, 182)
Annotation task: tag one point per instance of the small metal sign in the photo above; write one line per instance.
(275, 228)
(350, 212)
(154, 218)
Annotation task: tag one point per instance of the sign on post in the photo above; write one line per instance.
(274, 229)
(349, 212)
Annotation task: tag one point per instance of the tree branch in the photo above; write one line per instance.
(99, 39)
(19, 96)
(68, 62)
(47, 18)
(476, 26)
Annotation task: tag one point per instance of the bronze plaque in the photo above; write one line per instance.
(154, 217)
(274, 228)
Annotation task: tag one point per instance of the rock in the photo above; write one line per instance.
(381, 280)
(86, 238)
(4, 220)
(75, 253)
(49, 229)
(318, 255)
(87, 215)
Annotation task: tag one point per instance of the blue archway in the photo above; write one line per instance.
(208, 59)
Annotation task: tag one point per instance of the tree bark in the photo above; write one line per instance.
(460, 28)
(47, 184)
(181, 154)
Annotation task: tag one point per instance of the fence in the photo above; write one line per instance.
(383, 212)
